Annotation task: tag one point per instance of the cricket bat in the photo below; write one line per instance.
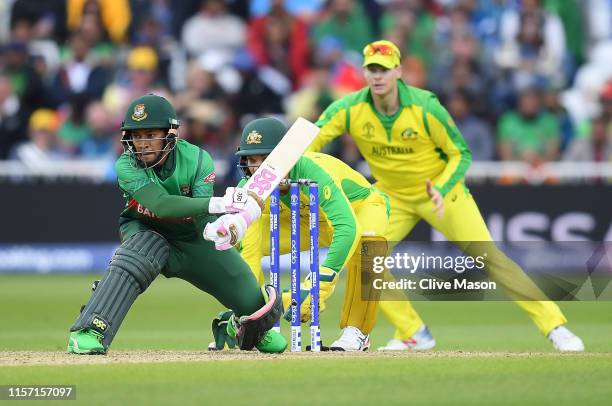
(282, 158)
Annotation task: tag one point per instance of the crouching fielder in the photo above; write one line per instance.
(168, 185)
(353, 217)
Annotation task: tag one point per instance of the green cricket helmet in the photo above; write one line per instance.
(154, 112)
(259, 137)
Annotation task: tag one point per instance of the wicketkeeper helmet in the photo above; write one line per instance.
(259, 137)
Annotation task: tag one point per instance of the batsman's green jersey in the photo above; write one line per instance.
(173, 201)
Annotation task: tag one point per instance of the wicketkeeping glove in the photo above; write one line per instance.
(226, 231)
(327, 283)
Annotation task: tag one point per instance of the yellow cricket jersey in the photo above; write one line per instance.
(419, 142)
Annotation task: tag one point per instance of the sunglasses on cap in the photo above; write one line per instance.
(382, 49)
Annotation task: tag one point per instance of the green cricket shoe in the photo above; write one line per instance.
(85, 342)
(273, 343)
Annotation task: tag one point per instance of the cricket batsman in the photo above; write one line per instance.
(353, 219)
(419, 159)
(168, 186)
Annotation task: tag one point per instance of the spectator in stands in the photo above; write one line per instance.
(78, 74)
(103, 135)
(42, 147)
(102, 51)
(153, 29)
(280, 41)
(141, 78)
(409, 25)
(530, 134)
(208, 124)
(201, 84)
(25, 80)
(480, 18)
(312, 98)
(346, 73)
(153, 15)
(597, 147)
(115, 16)
(260, 93)
(5, 23)
(461, 69)
(597, 15)
(552, 103)
(582, 100)
(533, 46)
(414, 72)
(74, 129)
(12, 117)
(594, 140)
(459, 42)
(47, 18)
(213, 27)
(345, 21)
(571, 17)
(476, 132)
(37, 36)
(305, 9)
(605, 99)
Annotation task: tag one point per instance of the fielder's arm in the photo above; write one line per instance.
(332, 122)
(339, 214)
(446, 136)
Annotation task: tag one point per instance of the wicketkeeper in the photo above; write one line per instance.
(168, 188)
(353, 218)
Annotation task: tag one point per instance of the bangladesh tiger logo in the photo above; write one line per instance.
(139, 113)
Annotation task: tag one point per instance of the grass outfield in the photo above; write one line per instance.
(480, 358)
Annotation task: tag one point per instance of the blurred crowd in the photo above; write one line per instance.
(526, 80)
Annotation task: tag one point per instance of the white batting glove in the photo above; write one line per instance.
(227, 231)
(237, 200)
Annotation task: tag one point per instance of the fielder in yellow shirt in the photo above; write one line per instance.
(419, 159)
